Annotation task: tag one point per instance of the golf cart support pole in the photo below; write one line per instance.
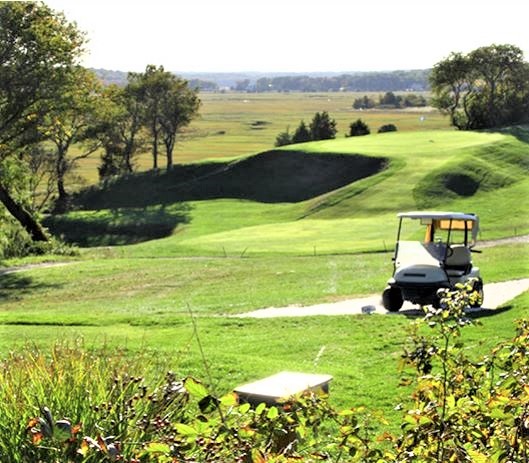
(397, 246)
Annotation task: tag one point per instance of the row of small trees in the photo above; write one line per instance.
(48, 104)
(322, 127)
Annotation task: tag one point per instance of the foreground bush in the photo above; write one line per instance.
(74, 406)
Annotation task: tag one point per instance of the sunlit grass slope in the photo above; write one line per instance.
(485, 173)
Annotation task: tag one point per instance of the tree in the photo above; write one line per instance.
(168, 105)
(364, 103)
(357, 128)
(121, 129)
(322, 127)
(72, 119)
(390, 99)
(177, 109)
(38, 50)
(153, 85)
(302, 134)
(489, 87)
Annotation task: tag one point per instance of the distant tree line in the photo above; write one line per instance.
(394, 81)
(120, 79)
(390, 100)
(365, 82)
(48, 104)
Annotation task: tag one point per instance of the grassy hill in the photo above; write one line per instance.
(336, 196)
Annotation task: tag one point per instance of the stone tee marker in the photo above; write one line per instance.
(274, 389)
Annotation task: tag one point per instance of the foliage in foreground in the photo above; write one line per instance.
(461, 409)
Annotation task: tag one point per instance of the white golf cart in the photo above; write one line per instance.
(433, 251)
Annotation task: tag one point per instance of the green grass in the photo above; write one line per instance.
(361, 352)
(422, 169)
(219, 257)
(160, 291)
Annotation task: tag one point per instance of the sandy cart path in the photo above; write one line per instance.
(496, 294)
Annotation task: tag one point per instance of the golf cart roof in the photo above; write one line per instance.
(437, 215)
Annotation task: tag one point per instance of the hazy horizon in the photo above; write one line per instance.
(288, 36)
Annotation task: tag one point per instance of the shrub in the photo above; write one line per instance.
(358, 128)
(283, 139)
(387, 128)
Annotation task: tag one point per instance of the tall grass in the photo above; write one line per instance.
(52, 399)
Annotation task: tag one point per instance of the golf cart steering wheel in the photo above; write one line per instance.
(449, 251)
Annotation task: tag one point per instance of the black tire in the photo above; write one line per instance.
(392, 299)
(477, 286)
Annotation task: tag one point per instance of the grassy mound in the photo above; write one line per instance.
(332, 196)
(270, 177)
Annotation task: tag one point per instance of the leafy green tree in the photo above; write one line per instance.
(302, 134)
(121, 129)
(488, 87)
(178, 108)
(72, 119)
(413, 101)
(364, 103)
(390, 99)
(154, 85)
(358, 128)
(168, 105)
(322, 127)
(38, 50)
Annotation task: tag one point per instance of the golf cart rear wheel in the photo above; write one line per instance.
(477, 287)
(392, 299)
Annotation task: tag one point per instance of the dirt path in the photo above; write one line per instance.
(512, 239)
(496, 294)
(22, 268)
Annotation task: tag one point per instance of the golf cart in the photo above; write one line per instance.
(432, 252)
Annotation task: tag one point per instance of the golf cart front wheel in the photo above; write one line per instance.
(392, 299)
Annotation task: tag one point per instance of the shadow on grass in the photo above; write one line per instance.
(521, 133)
(118, 226)
(477, 313)
(14, 285)
(271, 177)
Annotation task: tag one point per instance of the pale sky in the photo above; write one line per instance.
(290, 35)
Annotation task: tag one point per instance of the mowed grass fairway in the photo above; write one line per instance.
(192, 256)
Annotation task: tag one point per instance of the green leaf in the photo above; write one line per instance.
(260, 408)
(185, 429)
(157, 447)
(195, 388)
(244, 408)
(229, 400)
(272, 413)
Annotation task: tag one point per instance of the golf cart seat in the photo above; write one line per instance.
(459, 260)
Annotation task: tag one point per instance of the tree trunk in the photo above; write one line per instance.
(22, 216)
(169, 148)
(155, 148)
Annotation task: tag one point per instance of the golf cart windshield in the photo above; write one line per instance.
(446, 227)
